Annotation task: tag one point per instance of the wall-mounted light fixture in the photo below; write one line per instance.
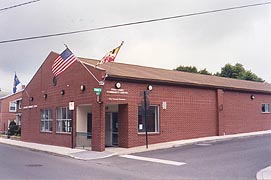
(118, 85)
(31, 98)
(45, 96)
(82, 87)
(149, 87)
(252, 97)
(62, 92)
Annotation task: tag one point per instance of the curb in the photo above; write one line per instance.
(261, 174)
(175, 144)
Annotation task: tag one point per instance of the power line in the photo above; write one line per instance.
(133, 23)
(17, 5)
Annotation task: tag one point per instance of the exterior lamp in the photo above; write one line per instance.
(118, 85)
(62, 92)
(31, 98)
(82, 87)
(252, 97)
(45, 96)
(149, 87)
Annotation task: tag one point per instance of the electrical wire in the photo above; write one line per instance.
(133, 23)
(17, 5)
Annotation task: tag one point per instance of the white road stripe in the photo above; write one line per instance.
(203, 144)
(175, 163)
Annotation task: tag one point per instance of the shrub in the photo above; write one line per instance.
(12, 128)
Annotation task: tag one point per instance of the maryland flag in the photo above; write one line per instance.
(110, 56)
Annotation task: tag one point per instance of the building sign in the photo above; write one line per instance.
(117, 94)
(116, 91)
(30, 107)
(71, 106)
(97, 91)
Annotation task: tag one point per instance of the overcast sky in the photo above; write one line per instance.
(206, 41)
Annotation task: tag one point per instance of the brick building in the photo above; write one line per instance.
(10, 110)
(182, 105)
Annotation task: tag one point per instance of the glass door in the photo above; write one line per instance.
(111, 129)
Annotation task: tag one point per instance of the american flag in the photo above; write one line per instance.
(63, 61)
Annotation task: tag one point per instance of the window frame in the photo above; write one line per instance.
(10, 105)
(65, 128)
(266, 107)
(156, 121)
(48, 120)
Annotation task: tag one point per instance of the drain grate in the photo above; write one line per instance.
(33, 165)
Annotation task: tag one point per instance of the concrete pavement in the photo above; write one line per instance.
(81, 154)
(84, 154)
(264, 174)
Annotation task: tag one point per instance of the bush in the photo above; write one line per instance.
(12, 128)
(18, 130)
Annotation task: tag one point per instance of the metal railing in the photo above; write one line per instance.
(83, 139)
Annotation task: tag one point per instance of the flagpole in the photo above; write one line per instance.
(89, 71)
(119, 49)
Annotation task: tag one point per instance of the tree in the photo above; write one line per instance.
(204, 71)
(192, 69)
(238, 71)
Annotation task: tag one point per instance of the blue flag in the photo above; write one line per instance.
(15, 83)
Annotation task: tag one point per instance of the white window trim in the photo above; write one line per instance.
(157, 125)
(46, 120)
(10, 105)
(61, 120)
(266, 107)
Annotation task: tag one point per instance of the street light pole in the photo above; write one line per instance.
(145, 116)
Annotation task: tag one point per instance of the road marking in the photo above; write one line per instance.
(175, 163)
(203, 144)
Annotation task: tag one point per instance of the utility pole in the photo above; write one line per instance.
(145, 117)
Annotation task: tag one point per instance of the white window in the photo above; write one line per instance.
(152, 119)
(46, 120)
(12, 106)
(63, 120)
(265, 108)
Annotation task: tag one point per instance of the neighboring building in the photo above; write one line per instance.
(10, 110)
(182, 105)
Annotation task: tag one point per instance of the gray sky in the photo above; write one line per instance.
(206, 41)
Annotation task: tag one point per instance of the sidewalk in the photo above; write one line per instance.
(84, 154)
(264, 174)
(81, 154)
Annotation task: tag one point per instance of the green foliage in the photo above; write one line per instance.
(236, 71)
(12, 128)
(192, 69)
(204, 71)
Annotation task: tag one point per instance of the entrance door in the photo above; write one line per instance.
(111, 134)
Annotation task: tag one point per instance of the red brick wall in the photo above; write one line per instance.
(241, 114)
(191, 112)
(69, 81)
(5, 115)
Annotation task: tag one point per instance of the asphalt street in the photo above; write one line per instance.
(232, 159)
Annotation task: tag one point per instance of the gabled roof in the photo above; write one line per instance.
(135, 72)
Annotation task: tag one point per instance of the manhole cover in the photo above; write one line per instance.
(33, 165)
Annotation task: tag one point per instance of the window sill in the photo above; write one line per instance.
(149, 133)
(64, 133)
(265, 112)
(46, 132)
